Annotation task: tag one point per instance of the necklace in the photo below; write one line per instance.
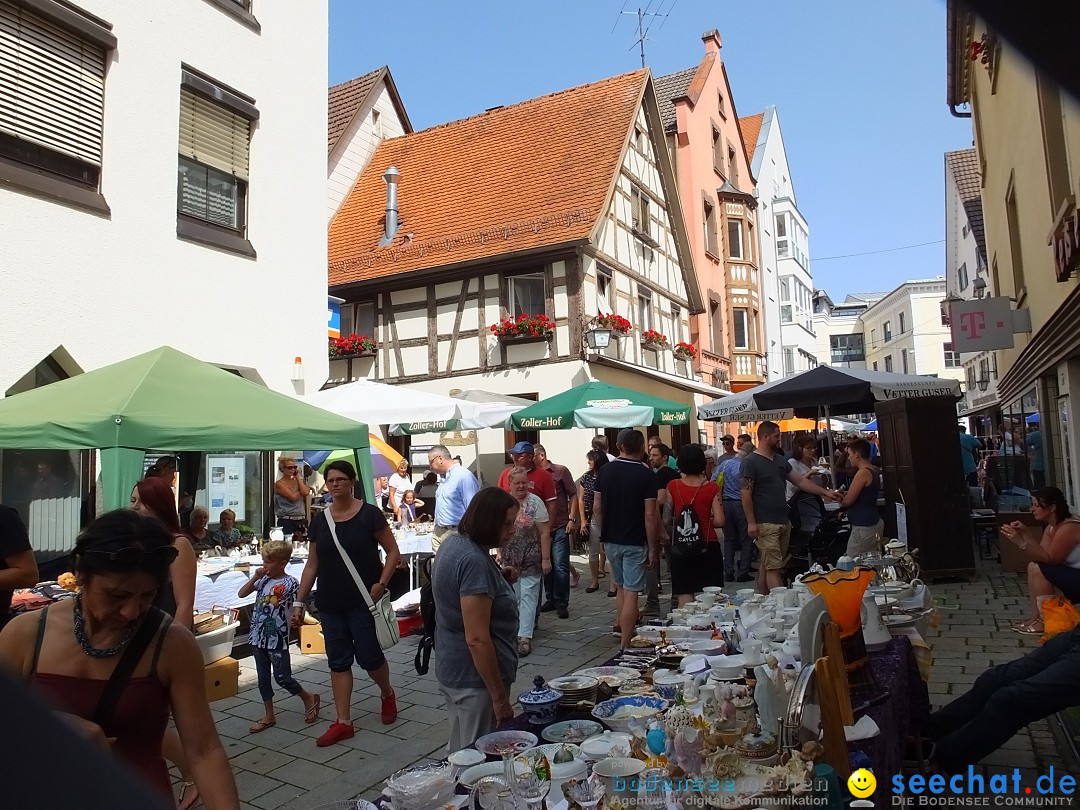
(84, 642)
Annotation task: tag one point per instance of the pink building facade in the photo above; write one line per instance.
(716, 188)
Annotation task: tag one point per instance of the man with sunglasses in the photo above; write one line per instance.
(453, 495)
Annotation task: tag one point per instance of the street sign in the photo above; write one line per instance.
(981, 324)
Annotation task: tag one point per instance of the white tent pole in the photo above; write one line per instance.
(832, 451)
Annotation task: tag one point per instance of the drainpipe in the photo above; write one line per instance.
(391, 177)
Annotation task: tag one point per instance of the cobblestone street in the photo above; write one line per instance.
(282, 767)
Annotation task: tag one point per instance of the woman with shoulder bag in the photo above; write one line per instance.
(697, 557)
(349, 525)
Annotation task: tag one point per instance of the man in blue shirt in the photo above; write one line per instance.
(453, 495)
(736, 539)
(969, 456)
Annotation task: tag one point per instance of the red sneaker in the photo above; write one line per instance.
(389, 709)
(335, 734)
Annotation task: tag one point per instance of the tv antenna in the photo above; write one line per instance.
(645, 20)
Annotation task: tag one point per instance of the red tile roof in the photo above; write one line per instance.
(751, 128)
(529, 176)
(342, 102)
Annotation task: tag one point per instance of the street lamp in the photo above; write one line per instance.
(598, 337)
(983, 382)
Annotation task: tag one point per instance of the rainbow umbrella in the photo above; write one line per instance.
(384, 458)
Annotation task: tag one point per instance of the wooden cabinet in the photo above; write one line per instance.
(920, 448)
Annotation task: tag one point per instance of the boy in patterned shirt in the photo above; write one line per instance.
(269, 637)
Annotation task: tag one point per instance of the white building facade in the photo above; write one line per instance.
(967, 277)
(904, 332)
(216, 270)
(785, 258)
(162, 181)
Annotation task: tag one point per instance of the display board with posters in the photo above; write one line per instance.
(225, 484)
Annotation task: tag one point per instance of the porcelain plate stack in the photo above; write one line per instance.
(575, 688)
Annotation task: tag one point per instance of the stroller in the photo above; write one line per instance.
(818, 535)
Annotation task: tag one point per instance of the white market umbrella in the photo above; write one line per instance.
(407, 409)
(494, 410)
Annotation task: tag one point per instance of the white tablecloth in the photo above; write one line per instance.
(218, 585)
(415, 543)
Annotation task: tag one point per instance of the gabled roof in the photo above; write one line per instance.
(750, 127)
(964, 167)
(345, 99)
(669, 88)
(532, 176)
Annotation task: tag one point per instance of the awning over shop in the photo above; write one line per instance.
(1056, 341)
(600, 405)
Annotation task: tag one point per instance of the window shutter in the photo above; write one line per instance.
(52, 85)
(213, 135)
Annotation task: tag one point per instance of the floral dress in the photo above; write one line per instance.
(523, 550)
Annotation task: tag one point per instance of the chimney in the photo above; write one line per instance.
(391, 177)
(712, 41)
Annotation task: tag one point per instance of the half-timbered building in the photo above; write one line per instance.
(563, 206)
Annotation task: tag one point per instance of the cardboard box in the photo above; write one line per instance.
(1013, 558)
(222, 678)
(311, 640)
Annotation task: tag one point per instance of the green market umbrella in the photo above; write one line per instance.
(167, 400)
(599, 405)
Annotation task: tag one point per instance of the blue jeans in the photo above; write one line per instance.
(1006, 698)
(557, 583)
(736, 539)
(282, 665)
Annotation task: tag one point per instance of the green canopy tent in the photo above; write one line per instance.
(168, 400)
(599, 405)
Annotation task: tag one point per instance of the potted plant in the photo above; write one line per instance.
(525, 328)
(618, 325)
(352, 346)
(684, 351)
(651, 339)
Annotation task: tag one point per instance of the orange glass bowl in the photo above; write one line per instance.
(843, 592)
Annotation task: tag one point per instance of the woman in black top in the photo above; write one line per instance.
(348, 626)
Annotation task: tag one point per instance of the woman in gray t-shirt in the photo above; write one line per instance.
(476, 617)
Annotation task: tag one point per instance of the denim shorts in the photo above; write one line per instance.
(627, 565)
(350, 636)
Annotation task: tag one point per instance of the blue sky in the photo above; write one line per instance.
(859, 87)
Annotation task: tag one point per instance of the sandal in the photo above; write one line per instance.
(189, 796)
(312, 714)
(524, 646)
(261, 725)
(1030, 628)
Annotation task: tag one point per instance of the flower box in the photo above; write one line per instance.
(684, 351)
(352, 346)
(531, 327)
(651, 339)
(618, 325)
(508, 340)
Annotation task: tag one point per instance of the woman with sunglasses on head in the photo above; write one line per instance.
(348, 626)
(290, 497)
(71, 650)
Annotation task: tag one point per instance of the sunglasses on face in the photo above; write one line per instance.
(132, 555)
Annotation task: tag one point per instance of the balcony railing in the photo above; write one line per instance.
(747, 365)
